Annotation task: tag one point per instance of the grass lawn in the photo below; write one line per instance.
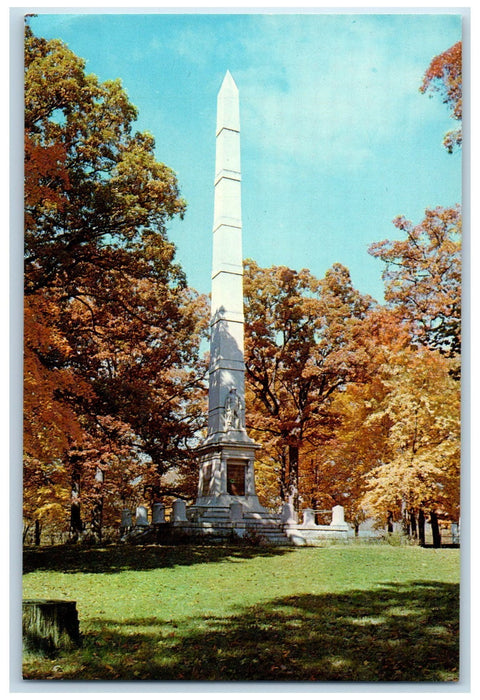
(333, 613)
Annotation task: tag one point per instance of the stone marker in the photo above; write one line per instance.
(141, 516)
(158, 513)
(179, 510)
(309, 517)
(338, 518)
(288, 513)
(126, 519)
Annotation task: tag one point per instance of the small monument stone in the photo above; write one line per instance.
(158, 513)
(338, 517)
(309, 517)
(288, 513)
(126, 519)
(179, 511)
(141, 516)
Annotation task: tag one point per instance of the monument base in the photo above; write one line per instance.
(227, 519)
(226, 474)
(249, 503)
(227, 503)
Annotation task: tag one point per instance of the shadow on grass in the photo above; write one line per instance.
(119, 557)
(393, 633)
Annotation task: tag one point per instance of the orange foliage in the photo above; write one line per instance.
(301, 347)
(113, 376)
(423, 277)
(444, 76)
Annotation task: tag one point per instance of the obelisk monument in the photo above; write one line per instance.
(227, 454)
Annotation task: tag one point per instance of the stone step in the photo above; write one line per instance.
(214, 522)
(276, 522)
(271, 531)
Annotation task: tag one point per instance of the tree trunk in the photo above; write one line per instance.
(406, 524)
(421, 527)
(76, 525)
(97, 518)
(283, 477)
(97, 511)
(390, 521)
(437, 540)
(38, 531)
(50, 625)
(413, 523)
(293, 475)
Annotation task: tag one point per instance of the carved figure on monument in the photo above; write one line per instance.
(233, 411)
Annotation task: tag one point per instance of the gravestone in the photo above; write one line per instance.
(179, 511)
(309, 517)
(126, 519)
(141, 516)
(288, 513)
(158, 513)
(338, 517)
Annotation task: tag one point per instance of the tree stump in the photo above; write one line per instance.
(50, 625)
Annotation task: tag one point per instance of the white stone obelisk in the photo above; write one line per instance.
(227, 454)
(226, 340)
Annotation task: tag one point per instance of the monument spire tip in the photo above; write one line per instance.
(228, 81)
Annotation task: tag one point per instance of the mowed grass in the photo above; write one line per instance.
(334, 613)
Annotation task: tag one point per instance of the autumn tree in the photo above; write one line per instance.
(334, 471)
(114, 379)
(423, 287)
(348, 436)
(444, 77)
(395, 450)
(299, 350)
(99, 193)
(423, 277)
(419, 470)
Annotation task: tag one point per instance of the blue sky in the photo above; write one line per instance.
(336, 138)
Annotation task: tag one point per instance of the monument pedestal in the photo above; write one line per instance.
(227, 503)
(227, 473)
